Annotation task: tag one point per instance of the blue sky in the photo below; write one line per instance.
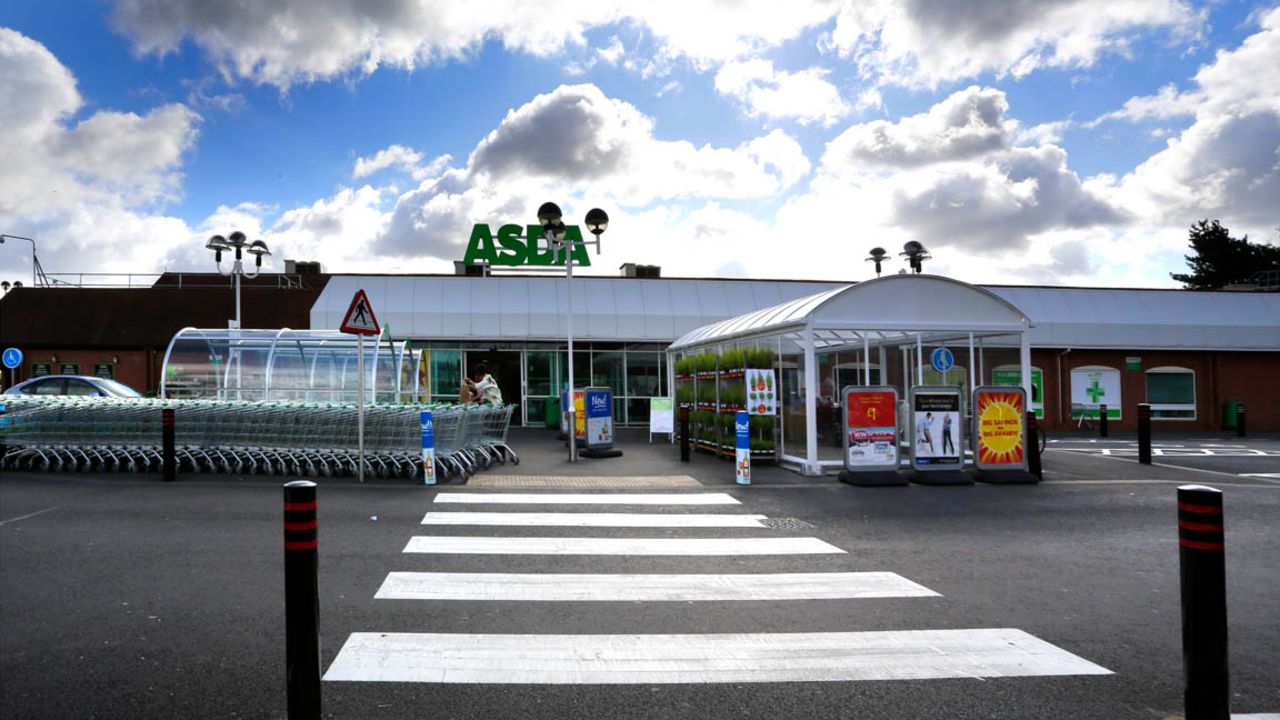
(1069, 142)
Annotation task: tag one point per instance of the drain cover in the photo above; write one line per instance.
(786, 523)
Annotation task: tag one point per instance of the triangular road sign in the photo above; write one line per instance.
(359, 318)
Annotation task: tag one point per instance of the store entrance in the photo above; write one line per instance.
(504, 366)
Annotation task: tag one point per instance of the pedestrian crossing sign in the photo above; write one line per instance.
(360, 319)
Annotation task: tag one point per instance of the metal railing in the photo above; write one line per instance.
(282, 281)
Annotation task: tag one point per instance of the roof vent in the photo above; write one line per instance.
(302, 267)
(470, 269)
(632, 270)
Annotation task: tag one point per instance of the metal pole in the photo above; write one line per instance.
(168, 457)
(360, 405)
(237, 271)
(1202, 566)
(301, 600)
(573, 408)
(1144, 433)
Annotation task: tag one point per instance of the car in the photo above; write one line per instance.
(80, 385)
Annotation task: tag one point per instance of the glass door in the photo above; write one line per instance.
(541, 381)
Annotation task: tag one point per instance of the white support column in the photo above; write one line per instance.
(972, 384)
(1026, 363)
(866, 360)
(811, 466)
(982, 371)
(919, 360)
(884, 368)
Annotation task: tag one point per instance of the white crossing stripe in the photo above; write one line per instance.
(588, 498)
(592, 519)
(562, 587)
(463, 545)
(736, 658)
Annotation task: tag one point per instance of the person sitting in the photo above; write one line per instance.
(484, 387)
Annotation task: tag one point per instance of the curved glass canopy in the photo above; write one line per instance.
(285, 364)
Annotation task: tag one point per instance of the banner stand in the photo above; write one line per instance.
(598, 424)
(1001, 440)
(937, 435)
(871, 449)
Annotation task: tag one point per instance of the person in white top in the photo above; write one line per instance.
(484, 388)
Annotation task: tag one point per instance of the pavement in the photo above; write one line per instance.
(124, 596)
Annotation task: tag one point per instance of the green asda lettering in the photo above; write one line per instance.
(511, 249)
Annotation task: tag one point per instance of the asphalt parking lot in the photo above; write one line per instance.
(123, 596)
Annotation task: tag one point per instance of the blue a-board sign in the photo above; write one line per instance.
(428, 447)
(598, 403)
(12, 357)
(942, 360)
(742, 445)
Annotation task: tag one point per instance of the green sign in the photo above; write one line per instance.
(69, 369)
(41, 369)
(510, 249)
(1013, 376)
(106, 371)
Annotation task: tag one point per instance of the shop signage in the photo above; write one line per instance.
(599, 404)
(106, 371)
(1012, 376)
(522, 245)
(428, 447)
(761, 398)
(937, 434)
(69, 369)
(661, 416)
(870, 428)
(999, 426)
(1092, 387)
(742, 447)
(41, 369)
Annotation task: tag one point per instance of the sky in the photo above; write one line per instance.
(1060, 142)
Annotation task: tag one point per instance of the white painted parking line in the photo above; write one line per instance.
(592, 519)
(588, 498)
(1269, 476)
(1256, 716)
(463, 545)
(563, 587)
(747, 657)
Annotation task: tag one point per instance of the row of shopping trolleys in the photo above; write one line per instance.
(75, 434)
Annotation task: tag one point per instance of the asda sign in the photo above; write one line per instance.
(522, 245)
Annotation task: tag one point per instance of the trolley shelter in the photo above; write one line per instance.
(883, 333)
(303, 365)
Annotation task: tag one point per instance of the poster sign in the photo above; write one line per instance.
(41, 369)
(742, 447)
(870, 428)
(579, 415)
(69, 368)
(428, 447)
(1011, 375)
(424, 376)
(999, 427)
(937, 435)
(661, 416)
(761, 396)
(599, 403)
(106, 371)
(1092, 387)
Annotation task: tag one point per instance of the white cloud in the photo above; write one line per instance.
(397, 156)
(805, 96)
(929, 42)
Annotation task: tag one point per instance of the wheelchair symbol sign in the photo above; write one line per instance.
(12, 357)
(942, 360)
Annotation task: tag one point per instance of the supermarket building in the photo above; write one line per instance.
(1189, 354)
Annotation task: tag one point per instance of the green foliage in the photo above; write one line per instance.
(1222, 260)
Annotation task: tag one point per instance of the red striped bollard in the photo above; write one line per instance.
(1204, 603)
(301, 600)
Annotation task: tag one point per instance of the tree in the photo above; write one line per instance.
(1221, 260)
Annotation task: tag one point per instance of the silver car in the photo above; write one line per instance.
(82, 385)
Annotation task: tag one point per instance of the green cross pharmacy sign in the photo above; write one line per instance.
(1092, 387)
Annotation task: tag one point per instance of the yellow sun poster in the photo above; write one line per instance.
(1001, 439)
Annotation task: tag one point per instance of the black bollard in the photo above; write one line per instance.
(301, 600)
(1102, 420)
(1202, 564)
(1240, 420)
(1033, 446)
(684, 433)
(1144, 433)
(169, 453)
(2, 432)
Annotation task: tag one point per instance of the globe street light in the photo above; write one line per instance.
(552, 221)
(237, 242)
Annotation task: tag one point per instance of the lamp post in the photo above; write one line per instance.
(552, 221)
(36, 270)
(916, 254)
(239, 243)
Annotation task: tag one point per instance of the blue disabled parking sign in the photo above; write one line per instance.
(942, 360)
(12, 357)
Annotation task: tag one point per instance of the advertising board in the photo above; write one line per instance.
(937, 432)
(742, 447)
(599, 420)
(661, 416)
(428, 447)
(870, 428)
(1000, 428)
(762, 398)
(579, 415)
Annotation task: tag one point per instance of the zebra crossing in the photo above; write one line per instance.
(658, 658)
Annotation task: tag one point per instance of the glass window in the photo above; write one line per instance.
(607, 371)
(538, 380)
(446, 372)
(644, 375)
(81, 388)
(638, 411)
(1172, 393)
(45, 387)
